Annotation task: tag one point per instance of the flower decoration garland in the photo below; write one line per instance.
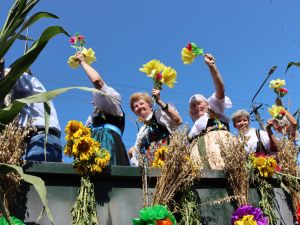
(159, 157)
(265, 165)
(155, 215)
(77, 41)
(278, 87)
(277, 112)
(159, 73)
(190, 52)
(248, 215)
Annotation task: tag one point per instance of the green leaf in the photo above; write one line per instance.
(37, 182)
(292, 64)
(10, 112)
(24, 62)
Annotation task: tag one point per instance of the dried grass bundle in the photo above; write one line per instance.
(235, 158)
(179, 170)
(287, 156)
(12, 148)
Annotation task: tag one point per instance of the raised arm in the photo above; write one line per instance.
(172, 113)
(217, 79)
(92, 74)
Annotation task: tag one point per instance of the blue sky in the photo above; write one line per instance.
(246, 37)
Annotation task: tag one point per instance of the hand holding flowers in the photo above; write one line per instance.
(159, 73)
(78, 42)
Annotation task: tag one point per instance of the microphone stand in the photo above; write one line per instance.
(254, 107)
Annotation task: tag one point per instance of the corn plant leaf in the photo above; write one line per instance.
(37, 183)
(24, 62)
(10, 112)
(292, 64)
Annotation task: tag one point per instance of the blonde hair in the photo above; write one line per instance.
(140, 96)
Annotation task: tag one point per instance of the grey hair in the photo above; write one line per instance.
(239, 113)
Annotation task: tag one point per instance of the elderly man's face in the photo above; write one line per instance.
(242, 123)
(198, 108)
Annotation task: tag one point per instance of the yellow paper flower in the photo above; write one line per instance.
(169, 76)
(246, 220)
(89, 55)
(159, 157)
(187, 56)
(275, 84)
(276, 111)
(152, 67)
(72, 62)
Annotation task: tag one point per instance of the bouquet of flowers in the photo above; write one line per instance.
(89, 159)
(248, 215)
(155, 215)
(277, 112)
(77, 41)
(190, 52)
(278, 87)
(159, 73)
(265, 165)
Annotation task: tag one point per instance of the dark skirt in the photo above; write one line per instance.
(112, 141)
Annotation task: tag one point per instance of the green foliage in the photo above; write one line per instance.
(37, 182)
(14, 25)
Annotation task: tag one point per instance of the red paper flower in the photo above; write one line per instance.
(189, 46)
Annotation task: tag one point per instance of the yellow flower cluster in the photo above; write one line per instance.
(89, 55)
(266, 165)
(187, 56)
(246, 220)
(276, 111)
(276, 84)
(88, 156)
(160, 73)
(159, 157)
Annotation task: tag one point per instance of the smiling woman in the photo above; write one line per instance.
(158, 124)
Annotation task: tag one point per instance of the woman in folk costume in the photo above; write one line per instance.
(107, 122)
(210, 122)
(158, 123)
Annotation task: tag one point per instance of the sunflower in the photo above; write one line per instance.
(159, 157)
(72, 127)
(266, 165)
(85, 147)
(83, 131)
(275, 84)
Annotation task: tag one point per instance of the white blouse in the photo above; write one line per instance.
(253, 139)
(109, 102)
(217, 106)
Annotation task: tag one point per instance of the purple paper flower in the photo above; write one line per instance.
(249, 210)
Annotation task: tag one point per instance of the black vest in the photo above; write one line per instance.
(99, 118)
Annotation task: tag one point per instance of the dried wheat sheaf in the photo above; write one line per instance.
(179, 170)
(235, 158)
(12, 147)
